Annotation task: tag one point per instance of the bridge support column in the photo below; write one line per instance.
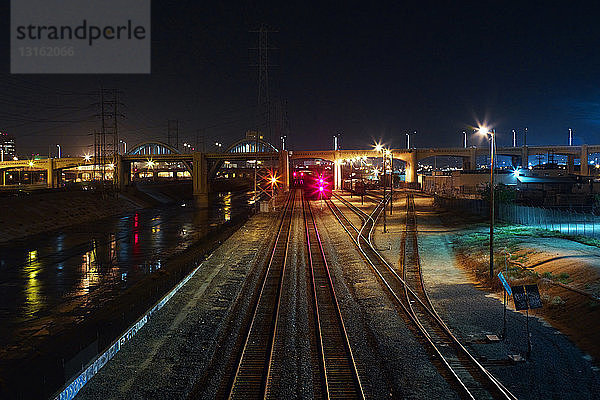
(337, 174)
(570, 164)
(200, 179)
(123, 173)
(584, 160)
(470, 162)
(411, 168)
(284, 169)
(515, 161)
(50, 173)
(525, 157)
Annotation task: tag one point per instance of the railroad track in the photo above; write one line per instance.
(259, 360)
(340, 379)
(251, 376)
(469, 376)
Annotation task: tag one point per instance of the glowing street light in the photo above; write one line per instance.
(378, 147)
(30, 163)
(150, 164)
(87, 158)
(491, 134)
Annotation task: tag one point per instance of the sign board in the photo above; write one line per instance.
(505, 284)
(519, 297)
(533, 296)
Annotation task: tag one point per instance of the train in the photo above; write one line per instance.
(316, 182)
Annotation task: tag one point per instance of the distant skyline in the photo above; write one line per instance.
(368, 71)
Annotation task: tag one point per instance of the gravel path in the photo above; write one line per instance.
(556, 370)
(174, 348)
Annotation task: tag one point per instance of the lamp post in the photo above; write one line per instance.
(384, 185)
(465, 139)
(391, 180)
(58, 145)
(570, 137)
(124, 146)
(379, 148)
(492, 136)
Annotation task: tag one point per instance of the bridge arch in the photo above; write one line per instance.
(249, 145)
(153, 147)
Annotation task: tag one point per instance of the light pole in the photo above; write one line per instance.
(570, 137)
(391, 180)
(465, 139)
(492, 136)
(124, 146)
(514, 138)
(384, 185)
(58, 145)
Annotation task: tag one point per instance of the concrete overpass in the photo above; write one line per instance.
(204, 165)
(469, 155)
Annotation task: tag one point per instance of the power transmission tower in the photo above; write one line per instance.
(106, 141)
(264, 100)
(173, 133)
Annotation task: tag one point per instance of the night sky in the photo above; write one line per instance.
(367, 70)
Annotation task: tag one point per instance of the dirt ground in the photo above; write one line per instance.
(556, 264)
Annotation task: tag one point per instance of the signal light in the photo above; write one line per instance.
(320, 188)
(294, 173)
(321, 181)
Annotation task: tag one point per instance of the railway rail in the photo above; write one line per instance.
(472, 379)
(251, 375)
(337, 376)
(340, 375)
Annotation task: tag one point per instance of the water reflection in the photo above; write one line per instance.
(33, 300)
(89, 273)
(227, 206)
(81, 268)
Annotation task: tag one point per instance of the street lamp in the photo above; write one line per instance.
(124, 146)
(570, 137)
(465, 139)
(491, 134)
(58, 145)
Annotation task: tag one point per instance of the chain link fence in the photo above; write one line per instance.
(566, 221)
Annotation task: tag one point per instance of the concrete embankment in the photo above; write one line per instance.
(29, 213)
(36, 213)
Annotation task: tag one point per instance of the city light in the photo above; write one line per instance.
(150, 164)
(31, 163)
(378, 147)
(484, 130)
(87, 157)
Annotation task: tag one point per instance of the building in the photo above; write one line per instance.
(7, 147)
